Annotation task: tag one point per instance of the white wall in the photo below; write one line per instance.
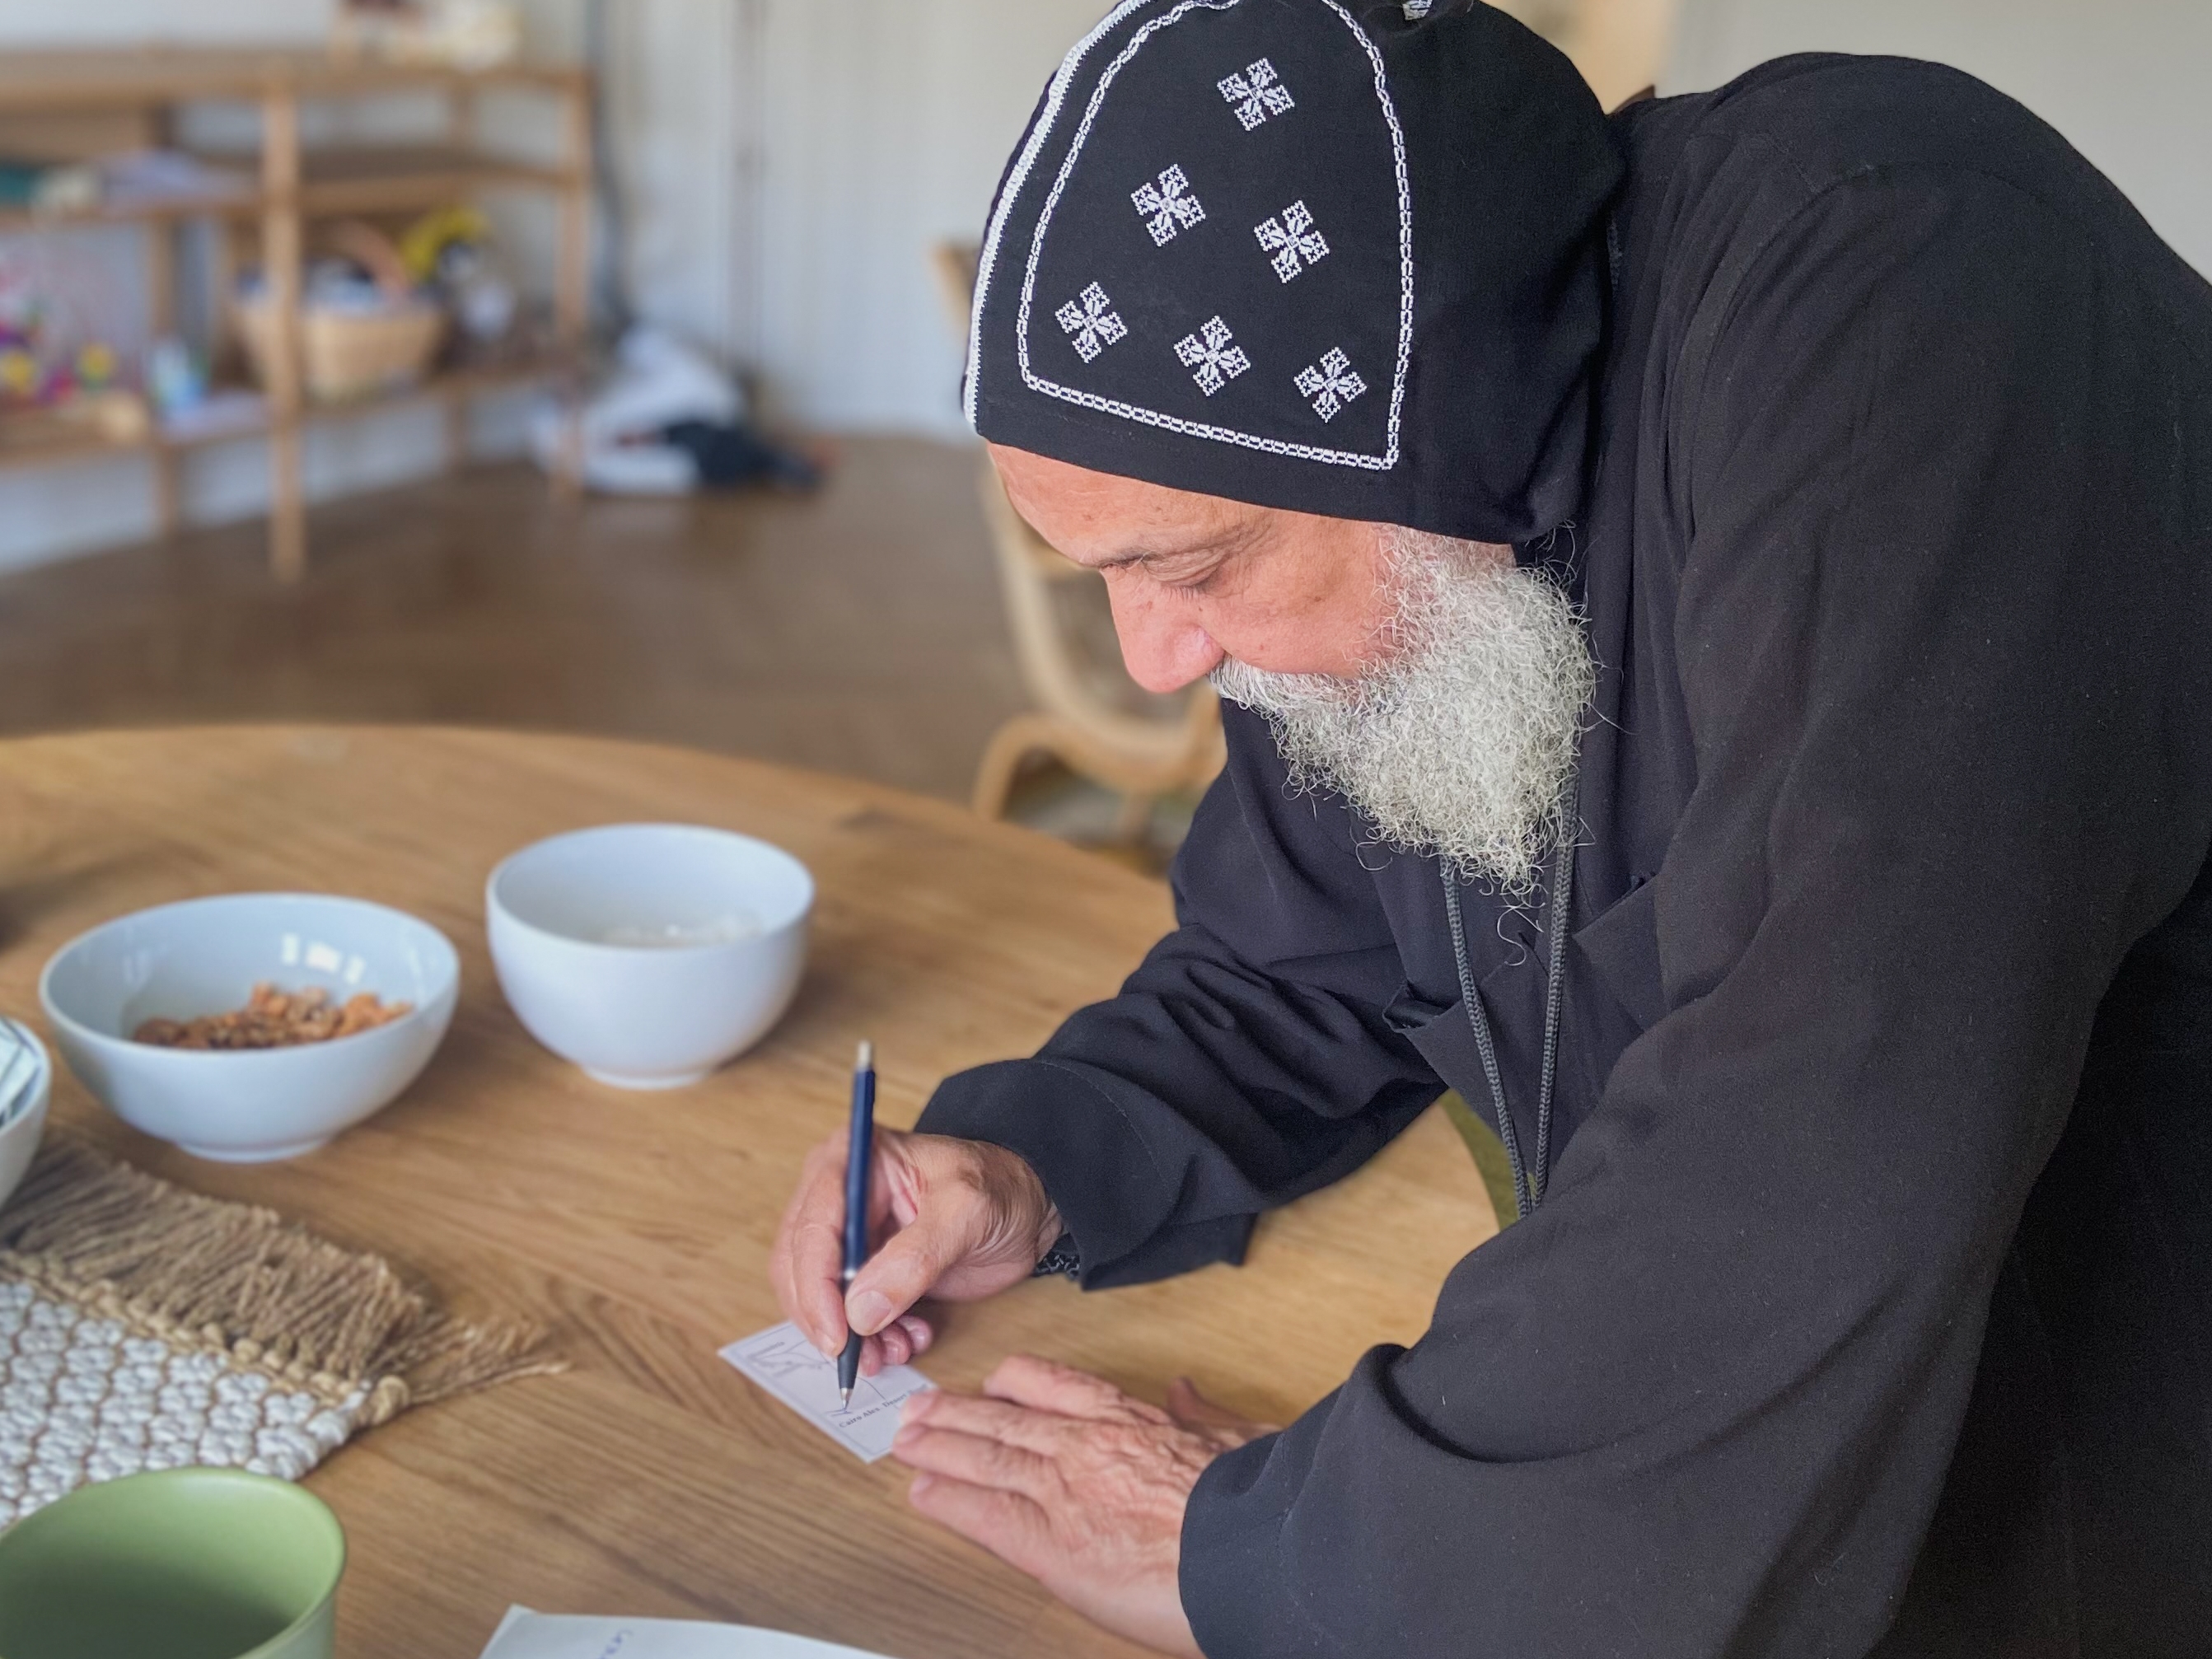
(884, 126)
(90, 22)
(2125, 80)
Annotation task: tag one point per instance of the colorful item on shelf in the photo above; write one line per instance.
(176, 380)
(22, 323)
(19, 182)
(450, 250)
(423, 244)
(48, 186)
(67, 370)
(95, 365)
(19, 374)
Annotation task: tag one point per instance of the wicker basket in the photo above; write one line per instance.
(349, 354)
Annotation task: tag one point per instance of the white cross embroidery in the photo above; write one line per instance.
(1210, 356)
(1330, 384)
(1168, 206)
(1291, 237)
(1092, 325)
(1255, 94)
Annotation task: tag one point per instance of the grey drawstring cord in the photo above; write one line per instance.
(1527, 1179)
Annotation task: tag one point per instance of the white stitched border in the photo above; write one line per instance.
(1371, 463)
(1016, 179)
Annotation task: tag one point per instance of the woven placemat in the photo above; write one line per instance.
(144, 1327)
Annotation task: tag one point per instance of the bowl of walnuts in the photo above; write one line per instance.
(249, 1027)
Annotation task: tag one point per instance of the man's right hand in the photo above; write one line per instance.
(957, 1219)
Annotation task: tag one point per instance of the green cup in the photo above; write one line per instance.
(186, 1564)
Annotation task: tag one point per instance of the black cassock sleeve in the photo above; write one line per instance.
(1245, 1062)
(1702, 1402)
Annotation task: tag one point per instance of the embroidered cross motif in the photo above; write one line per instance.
(1255, 94)
(1092, 325)
(1416, 9)
(1291, 237)
(1212, 357)
(1330, 384)
(1168, 206)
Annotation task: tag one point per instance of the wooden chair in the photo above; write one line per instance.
(1086, 715)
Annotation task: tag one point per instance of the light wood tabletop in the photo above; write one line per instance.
(650, 1478)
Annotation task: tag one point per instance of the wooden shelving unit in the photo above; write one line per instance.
(133, 96)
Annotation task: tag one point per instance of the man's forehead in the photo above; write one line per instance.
(1102, 502)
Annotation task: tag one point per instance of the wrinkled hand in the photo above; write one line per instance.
(1064, 1476)
(959, 1220)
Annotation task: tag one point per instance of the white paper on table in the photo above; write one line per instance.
(526, 1635)
(795, 1371)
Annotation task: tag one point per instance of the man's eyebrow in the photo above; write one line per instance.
(1145, 554)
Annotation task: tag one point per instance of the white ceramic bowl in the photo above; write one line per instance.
(204, 957)
(649, 953)
(20, 1131)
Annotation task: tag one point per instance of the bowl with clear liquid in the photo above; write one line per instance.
(649, 954)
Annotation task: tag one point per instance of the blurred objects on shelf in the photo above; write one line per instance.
(49, 187)
(224, 412)
(364, 326)
(121, 313)
(350, 347)
(137, 179)
(666, 420)
(114, 416)
(462, 34)
(22, 324)
(60, 380)
(451, 252)
(365, 267)
(145, 178)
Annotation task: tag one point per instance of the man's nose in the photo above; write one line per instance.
(1163, 651)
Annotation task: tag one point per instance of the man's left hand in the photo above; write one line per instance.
(1064, 1476)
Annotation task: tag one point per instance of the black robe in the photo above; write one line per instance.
(1869, 1309)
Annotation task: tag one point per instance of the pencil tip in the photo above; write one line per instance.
(844, 1400)
(866, 1062)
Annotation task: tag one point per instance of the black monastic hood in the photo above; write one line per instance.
(1337, 258)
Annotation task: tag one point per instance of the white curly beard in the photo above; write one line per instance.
(1460, 740)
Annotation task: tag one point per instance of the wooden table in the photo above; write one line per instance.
(651, 1479)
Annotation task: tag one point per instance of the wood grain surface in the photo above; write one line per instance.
(651, 1480)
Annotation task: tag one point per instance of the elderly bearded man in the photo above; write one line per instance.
(1717, 608)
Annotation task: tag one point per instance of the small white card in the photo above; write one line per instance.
(794, 1370)
(526, 1635)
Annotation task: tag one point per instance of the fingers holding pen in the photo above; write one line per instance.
(899, 1343)
(908, 1266)
(807, 1265)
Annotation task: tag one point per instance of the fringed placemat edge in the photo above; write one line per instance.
(235, 1278)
